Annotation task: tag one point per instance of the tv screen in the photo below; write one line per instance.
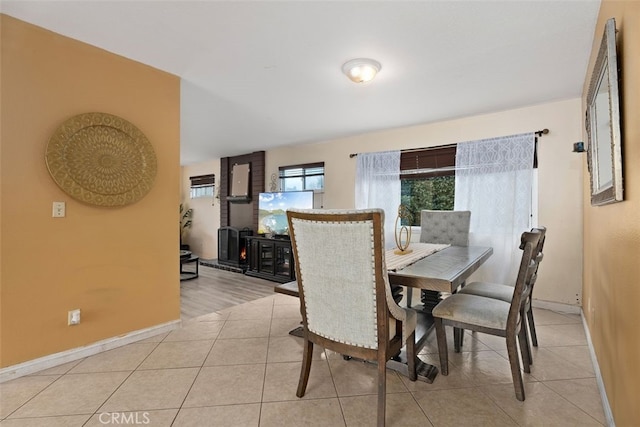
(272, 210)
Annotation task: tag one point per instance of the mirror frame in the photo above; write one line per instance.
(603, 123)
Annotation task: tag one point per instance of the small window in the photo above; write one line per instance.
(202, 186)
(427, 179)
(309, 176)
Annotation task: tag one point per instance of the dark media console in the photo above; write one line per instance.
(270, 258)
(280, 237)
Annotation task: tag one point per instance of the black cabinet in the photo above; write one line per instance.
(270, 259)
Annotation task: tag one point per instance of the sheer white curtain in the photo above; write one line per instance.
(494, 179)
(378, 186)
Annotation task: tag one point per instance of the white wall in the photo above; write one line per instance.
(560, 176)
(202, 238)
(560, 180)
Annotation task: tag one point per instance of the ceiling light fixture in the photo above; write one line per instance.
(361, 70)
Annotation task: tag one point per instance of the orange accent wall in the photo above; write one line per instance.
(612, 236)
(118, 265)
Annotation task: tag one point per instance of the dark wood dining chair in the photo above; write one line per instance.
(493, 316)
(505, 292)
(345, 298)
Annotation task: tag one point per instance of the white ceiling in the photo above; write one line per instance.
(261, 74)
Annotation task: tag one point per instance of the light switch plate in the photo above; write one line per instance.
(59, 209)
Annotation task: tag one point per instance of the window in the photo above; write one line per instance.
(427, 179)
(202, 186)
(309, 176)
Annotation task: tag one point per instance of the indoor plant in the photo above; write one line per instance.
(185, 223)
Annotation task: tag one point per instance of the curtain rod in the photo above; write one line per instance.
(537, 133)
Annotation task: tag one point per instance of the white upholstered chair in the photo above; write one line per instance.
(493, 316)
(505, 292)
(345, 298)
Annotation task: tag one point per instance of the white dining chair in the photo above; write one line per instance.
(345, 298)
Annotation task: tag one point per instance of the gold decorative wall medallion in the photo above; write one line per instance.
(101, 159)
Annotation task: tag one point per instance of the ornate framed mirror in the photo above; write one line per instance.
(603, 123)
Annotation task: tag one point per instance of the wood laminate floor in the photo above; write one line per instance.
(217, 289)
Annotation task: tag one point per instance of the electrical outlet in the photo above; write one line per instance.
(73, 317)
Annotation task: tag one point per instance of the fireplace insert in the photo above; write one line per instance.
(232, 246)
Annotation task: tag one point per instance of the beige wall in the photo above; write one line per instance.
(612, 236)
(560, 176)
(202, 238)
(118, 265)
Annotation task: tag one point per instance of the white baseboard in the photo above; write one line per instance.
(46, 362)
(557, 306)
(608, 415)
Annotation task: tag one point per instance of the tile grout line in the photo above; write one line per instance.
(123, 381)
(34, 396)
(266, 362)
(195, 378)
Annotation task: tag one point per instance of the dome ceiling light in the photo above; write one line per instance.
(361, 70)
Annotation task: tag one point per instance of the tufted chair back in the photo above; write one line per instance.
(450, 227)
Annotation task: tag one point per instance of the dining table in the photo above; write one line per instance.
(444, 269)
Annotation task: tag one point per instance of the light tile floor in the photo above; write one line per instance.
(240, 367)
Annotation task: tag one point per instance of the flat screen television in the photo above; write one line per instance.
(272, 210)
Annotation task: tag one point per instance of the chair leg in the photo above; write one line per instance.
(532, 327)
(460, 339)
(526, 338)
(307, 354)
(409, 296)
(411, 356)
(382, 388)
(514, 361)
(460, 331)
(457, 339)
(525, 351)
(442, 346)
